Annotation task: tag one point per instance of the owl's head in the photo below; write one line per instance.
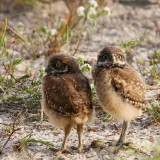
(111, 57)
(61, 64)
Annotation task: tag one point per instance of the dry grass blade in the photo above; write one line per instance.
(42, 142)
(11, 30)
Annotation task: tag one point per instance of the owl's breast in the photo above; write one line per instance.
(103, 86)
(111, 101)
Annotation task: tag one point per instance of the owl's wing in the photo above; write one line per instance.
(68, 94)
(128, 84)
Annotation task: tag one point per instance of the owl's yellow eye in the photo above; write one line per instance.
(58, 65)
(119, 57)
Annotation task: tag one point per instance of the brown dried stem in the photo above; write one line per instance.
(7, 70)
(13, 127)
(11, 30)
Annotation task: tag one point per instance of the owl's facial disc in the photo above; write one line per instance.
(118, 60)
(57, 68)
(110, 60)
(105, 60)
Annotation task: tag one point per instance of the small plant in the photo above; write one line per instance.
(94, 95)
(22, 143)
(80, 61)
(107, 117)
(98, 143)
(130, 43)
(155, 61)
(15, 88)
(154, 110)
(9, 64)
(80, 17)
(132, 148)
(85, 67)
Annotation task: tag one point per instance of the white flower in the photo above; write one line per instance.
(20, 24)
(43, 68)
(92, 85)
(93, 3)
(80, 11)
(84, 34)
(9, 77)
(92, 12)
(107, 10)
(53, 32)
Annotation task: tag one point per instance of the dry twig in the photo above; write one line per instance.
(11, 30)
(13, 128)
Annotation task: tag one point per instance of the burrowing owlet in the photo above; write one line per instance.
(66, 96)
(120, 89)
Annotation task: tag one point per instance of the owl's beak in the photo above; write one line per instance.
(117, 61)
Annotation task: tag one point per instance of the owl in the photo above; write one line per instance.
(120, 89)
(66, 96)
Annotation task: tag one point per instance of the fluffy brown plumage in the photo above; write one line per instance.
(66, 96)
(120, 89)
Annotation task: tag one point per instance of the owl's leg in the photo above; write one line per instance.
(80, 132)
(122, 139)
(67, 131)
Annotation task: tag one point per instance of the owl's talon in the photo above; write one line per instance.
(80, 150)
(111, 144)
(62, 151)
(124, 143)
(53, 149)
(116, 150)
(119, 146)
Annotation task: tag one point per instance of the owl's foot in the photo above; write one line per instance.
(80, 149)
(120, 146)
(117, 148)
(53, 149)
(61, 151)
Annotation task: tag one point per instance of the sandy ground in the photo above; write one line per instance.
(126, 22)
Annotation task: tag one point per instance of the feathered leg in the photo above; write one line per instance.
(80, 132)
